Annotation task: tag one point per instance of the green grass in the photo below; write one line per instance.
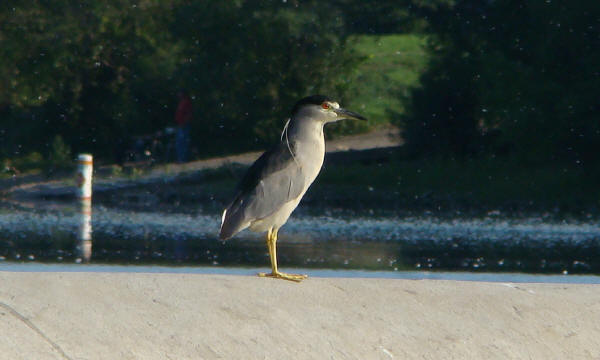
(392, 66)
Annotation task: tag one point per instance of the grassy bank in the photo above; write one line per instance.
(392, 65)
(472, 185)
(442, 187)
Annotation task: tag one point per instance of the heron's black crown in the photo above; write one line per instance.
(313, 99)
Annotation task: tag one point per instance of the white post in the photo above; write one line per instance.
(84, 176)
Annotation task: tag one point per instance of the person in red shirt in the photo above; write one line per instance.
(183, 118)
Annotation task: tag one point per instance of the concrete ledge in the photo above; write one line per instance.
(190, 316)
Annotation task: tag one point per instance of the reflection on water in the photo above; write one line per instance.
(63, 234)
(84, 231)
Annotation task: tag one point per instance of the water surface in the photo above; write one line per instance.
(56, 234)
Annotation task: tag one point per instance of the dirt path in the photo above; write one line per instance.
(40, 185)
(381, 138)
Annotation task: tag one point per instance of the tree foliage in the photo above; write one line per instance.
(504, 76)
(99, 72)
(90, 72)
(249, 61)
(517, 76)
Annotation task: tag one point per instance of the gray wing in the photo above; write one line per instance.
(273, 180)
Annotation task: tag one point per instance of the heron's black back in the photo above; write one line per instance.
(273, 179)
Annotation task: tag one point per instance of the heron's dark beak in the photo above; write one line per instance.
(347, 114)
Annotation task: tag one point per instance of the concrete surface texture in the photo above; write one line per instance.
(190, 316)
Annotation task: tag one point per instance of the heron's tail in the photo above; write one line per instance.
(223, 235)
(232, 222)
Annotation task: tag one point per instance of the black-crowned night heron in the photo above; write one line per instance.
(275, 183)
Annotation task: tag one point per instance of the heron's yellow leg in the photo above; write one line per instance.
(272, 246)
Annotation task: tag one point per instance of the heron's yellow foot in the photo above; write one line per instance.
(284, 276)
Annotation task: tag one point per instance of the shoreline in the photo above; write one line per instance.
(248, 271)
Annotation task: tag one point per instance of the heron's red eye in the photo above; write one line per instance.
(325, 105)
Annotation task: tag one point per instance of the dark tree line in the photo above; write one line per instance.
(519, 77)
(505, 77)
